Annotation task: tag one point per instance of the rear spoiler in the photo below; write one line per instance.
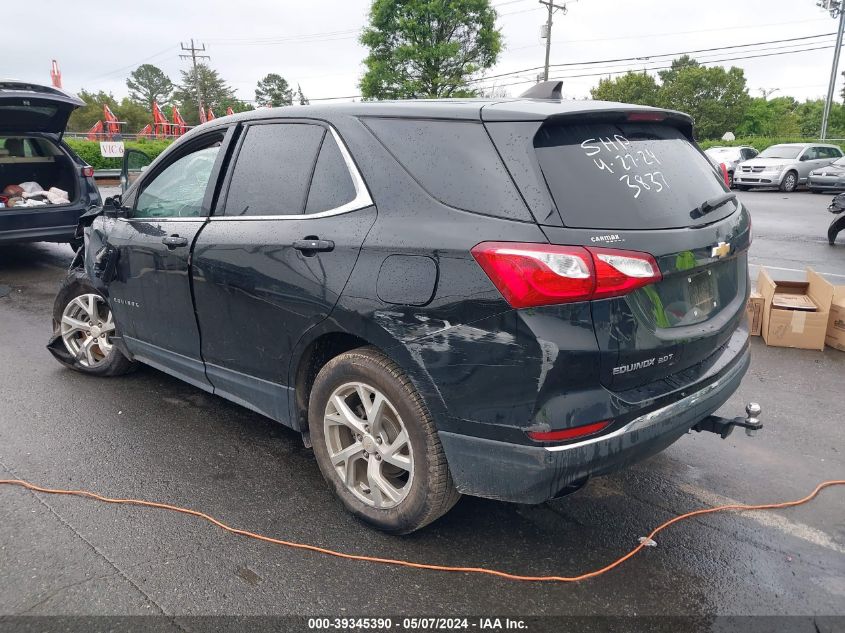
(550, 110)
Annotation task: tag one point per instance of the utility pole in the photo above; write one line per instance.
(836, 9)
(547, 31)
(193, 57)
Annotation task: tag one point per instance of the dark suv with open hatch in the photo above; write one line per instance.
(499, 298)
(32, 123)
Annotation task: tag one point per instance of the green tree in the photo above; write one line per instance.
(716, 98)
(639, 88)
(772, 117)
(273, 91)
(133, 115)
(216, 94)
(84, 117)
(427, 48)
(148, 83)
(303, 100)
(678, 64)
(237, 106)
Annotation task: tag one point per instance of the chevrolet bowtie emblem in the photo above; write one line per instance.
(722, 249)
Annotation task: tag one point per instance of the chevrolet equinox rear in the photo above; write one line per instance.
(493, 298)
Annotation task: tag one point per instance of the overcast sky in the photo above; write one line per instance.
(315, 43)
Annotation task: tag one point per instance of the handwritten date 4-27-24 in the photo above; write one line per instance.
(621, 157)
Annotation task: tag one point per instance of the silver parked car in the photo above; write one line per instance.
(785, 166)
(830, 178)
(731, 157)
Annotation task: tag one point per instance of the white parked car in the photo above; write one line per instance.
(785, 166)
(731, 157)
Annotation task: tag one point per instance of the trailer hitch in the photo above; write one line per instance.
(725, 426)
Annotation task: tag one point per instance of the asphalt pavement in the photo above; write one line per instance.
(150, 436)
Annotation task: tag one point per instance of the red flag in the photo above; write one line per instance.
(112, 125)
(211, 116)
(229, 111)
(96, 131)
(146, 132)
(179, 125)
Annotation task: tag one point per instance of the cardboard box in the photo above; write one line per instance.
(754, 309)
(836, 323)
(787, 327)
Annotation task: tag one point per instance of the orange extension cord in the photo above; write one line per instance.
(405, 563)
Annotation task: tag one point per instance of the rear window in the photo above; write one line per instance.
(455, 162)
(627, 176)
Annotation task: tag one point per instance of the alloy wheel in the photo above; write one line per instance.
(87, 327)
(790, 183)
(368, 445)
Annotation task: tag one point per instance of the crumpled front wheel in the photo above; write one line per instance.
(84, 330)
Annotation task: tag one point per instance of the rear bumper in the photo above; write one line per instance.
(533, 474)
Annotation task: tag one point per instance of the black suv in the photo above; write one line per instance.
(494, 298)
(32, 122)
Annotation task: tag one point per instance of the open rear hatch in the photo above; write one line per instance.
(30, 108)
(633, 181)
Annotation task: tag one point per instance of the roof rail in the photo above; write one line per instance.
(545, 90)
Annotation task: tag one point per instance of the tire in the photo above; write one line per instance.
(835, 228)
(730, 180)
(789, 182)
(75, 244)
(89, 351)
(398, 482)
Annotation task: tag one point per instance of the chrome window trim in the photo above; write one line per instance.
(362, 198)
(658, 415)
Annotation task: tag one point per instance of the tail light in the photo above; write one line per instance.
(88, 171)
(568, 434)
(724, 169)
(530, 275)
(646, 116)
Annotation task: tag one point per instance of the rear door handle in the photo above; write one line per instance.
(174, 241)
(313, 246)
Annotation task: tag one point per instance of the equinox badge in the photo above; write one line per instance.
(722, 249)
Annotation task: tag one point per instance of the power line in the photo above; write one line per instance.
(124, 68)
(640, 61)
(640, 57)
(652, 68)
(641, 36)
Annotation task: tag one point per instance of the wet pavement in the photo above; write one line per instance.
(148, 435)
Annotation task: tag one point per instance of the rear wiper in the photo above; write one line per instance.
(710, 205)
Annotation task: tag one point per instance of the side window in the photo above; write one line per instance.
(178, 191)
(812, 153)
(454, 161)
(331, 186)
(273, 169)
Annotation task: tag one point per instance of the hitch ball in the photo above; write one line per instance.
(752, 410)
